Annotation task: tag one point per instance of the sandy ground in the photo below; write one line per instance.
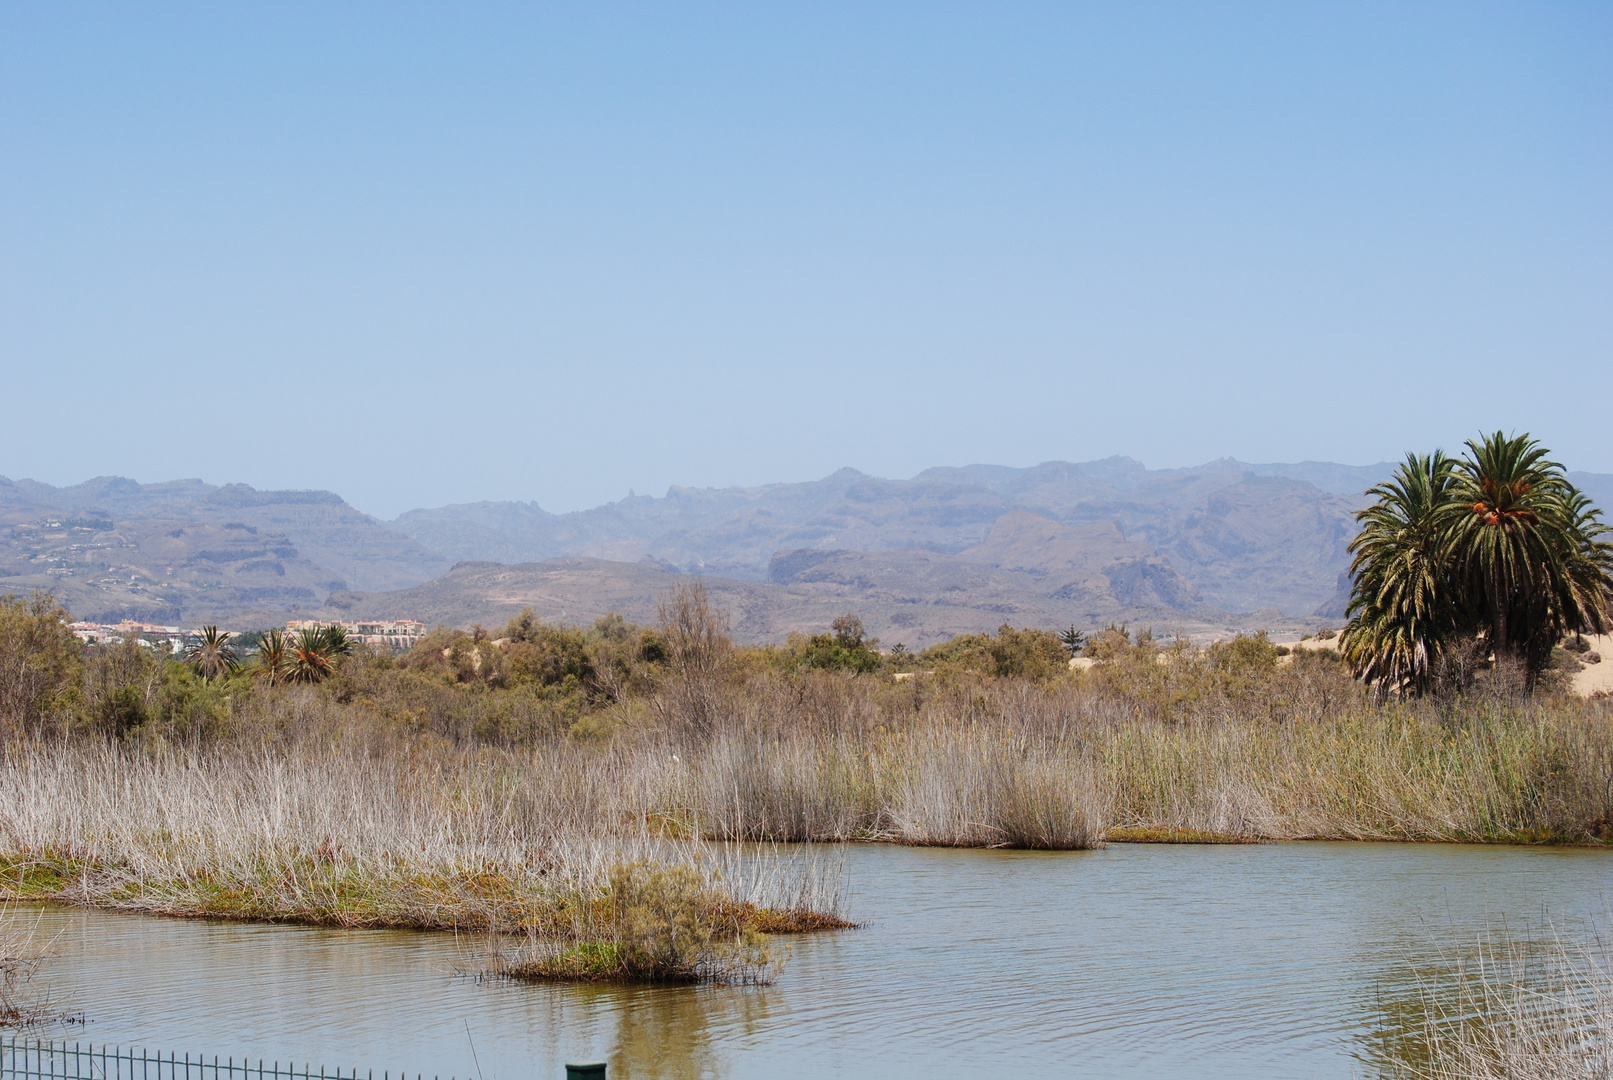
(1592, 679)
(1331, 645)
(1596, 678)
(1082, 663)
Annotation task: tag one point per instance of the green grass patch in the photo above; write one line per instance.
(1167, 834)
(591, 962)
(35, 876)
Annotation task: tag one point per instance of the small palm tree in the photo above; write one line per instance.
(313, 654)
(1402, 608)
(211, 655)
(274, 657)
(337, 643)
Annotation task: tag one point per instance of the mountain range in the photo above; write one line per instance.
(1202, 550)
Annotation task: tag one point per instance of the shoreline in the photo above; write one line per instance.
(746, 915)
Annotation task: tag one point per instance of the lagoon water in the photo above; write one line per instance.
(1283, 960)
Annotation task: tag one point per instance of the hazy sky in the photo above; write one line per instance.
(426, 254)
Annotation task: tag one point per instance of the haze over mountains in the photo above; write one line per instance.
(1221, 546)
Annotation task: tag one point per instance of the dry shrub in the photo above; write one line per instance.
(699, 653)
(40, 661)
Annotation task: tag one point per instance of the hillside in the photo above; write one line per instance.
(1243, 537)
(1028, 570)
(189, 552)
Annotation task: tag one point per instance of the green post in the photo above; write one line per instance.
(585, 1070)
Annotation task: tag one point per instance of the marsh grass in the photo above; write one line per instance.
(1529, 774)
(1066, 765)
(1514, 1011)
(21, 953)
(337, 836)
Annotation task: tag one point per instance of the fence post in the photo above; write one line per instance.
(585, 1070)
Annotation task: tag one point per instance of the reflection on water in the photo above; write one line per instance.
(1272, 960)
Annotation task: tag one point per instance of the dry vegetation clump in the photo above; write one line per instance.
(1512, 1012)
(654, 924)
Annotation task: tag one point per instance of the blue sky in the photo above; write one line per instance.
(427, 254)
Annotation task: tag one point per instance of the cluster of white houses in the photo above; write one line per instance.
(117, 633)
(398, 635)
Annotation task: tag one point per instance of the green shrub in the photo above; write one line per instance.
(40, 660)
(1033, 654)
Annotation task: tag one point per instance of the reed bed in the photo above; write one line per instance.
(337, 835)
(1514, 1011)
(1069, 765)
(1525, 774)
(346, 826)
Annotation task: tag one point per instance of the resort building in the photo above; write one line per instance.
(148, 634)
(399, 635)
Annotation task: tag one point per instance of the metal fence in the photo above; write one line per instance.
(33, 1059)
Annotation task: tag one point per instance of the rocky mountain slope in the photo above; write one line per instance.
(189, 552)
(1243, 537)
(1028, 570)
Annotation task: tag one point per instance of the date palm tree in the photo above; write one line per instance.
(1402, 609)
(274, 657)
(1497, 545)
(1584, 600)
(211, 655)
(313, 653)
(1517, 530)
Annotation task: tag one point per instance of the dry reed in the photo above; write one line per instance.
(1515, 1013)
(21, 953)
(337, 827)
(485, 841)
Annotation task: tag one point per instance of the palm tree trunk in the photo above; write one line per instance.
(1499, 606)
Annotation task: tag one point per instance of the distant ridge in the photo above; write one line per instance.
(1222, 545)
(1243, 537)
